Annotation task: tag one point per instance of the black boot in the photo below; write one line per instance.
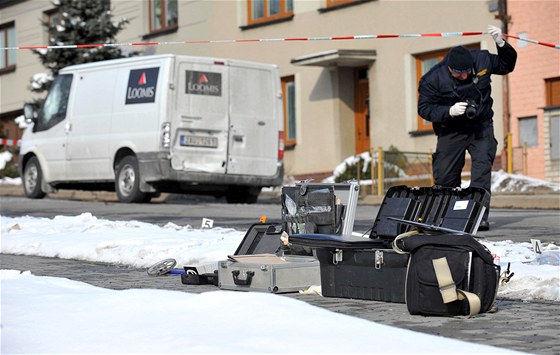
(484, 226)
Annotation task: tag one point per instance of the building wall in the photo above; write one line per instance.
(14, 87)
(539, 20)
(325, 119)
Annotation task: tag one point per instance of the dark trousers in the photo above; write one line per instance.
(449, 158)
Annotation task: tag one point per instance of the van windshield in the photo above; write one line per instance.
(56, 103)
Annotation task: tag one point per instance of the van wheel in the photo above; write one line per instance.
(32, 179)
(247, 195)
(127, 183)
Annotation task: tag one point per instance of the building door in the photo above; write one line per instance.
(361, 110)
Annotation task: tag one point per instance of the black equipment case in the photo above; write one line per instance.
(368, 268)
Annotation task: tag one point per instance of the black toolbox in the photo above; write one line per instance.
(368, 268)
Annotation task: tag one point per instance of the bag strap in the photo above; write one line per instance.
(401, 236)
(448, 289)
(454, 240)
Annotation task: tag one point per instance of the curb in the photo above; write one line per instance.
(542, 201)
(78, 195)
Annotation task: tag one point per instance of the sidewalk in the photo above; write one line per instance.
(545, 201)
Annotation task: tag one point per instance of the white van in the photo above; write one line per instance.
(163, 123)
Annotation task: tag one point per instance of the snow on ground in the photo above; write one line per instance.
(504, 182)
(53, 316)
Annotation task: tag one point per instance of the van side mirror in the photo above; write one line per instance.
(29, 113)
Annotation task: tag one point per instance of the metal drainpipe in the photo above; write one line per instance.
(505, 19)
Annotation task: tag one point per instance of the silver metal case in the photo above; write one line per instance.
(268, 273)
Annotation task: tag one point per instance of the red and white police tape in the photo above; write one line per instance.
(285, 39)
(9, 142)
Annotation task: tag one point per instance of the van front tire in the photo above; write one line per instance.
(32, 179)
(127, 182)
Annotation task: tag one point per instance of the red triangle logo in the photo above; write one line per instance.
(203, 79)
(142, 80)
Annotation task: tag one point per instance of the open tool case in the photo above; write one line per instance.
(367, 267)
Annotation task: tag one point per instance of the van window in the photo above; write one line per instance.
(56, 103)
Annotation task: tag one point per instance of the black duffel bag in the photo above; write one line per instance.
(448, 275)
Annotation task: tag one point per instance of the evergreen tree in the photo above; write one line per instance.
(78, 22)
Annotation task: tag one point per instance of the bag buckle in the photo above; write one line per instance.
(445, 281)
(448, 293)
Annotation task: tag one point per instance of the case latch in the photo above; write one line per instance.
(337, 256)
(378, 259)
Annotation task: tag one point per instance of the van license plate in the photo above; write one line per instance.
(199, 141)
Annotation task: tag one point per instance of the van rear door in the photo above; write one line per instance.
(200, 141)
(255, 102)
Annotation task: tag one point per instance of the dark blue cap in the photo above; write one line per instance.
(460, 59)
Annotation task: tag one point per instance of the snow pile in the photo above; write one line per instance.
(503, 182)
(5, 157)
(58, 316)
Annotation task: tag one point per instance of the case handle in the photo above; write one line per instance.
(240, 282)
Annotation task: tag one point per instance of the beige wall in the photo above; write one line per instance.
(325, 119)
(14, 87)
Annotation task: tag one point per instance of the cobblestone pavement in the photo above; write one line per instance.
(523, 326)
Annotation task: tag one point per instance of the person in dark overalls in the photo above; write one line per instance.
(455, 95)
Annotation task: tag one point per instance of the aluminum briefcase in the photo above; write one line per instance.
(268, 273)
(260, 264)
(259, 238)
